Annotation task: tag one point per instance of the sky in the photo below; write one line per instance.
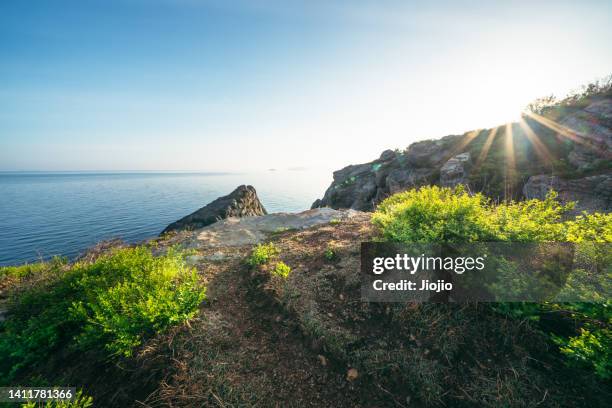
(220, 85)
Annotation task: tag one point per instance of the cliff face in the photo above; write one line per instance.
(512, 161)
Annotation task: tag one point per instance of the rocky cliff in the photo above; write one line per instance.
(569, 150)
(241, 202)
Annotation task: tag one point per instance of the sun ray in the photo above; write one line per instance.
(510, 162)
(487, 146)
(563, 131)
(466, 140)
(540, 148)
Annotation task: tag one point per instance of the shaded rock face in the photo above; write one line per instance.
(362, 186)
(455, 170)
(591, 127)
(592, 193)
(241, 202)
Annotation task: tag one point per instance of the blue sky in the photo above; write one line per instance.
(245, 85)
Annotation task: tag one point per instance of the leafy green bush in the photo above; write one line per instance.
(434, 214)
(281, 269)
(262, 254)
(111, 304)
(590, 349)
(131, 295)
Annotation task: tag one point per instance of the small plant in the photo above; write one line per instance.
(281, 269)
(329, 253)
(80, 400)
(262, 254)
(589, 349)
(335, 221)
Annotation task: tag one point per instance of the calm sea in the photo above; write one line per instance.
(46, 214)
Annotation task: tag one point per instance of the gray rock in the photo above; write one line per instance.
(241, 202)
(387, 155)
(362, 186)
(591, 129)
(193, 260)
(455, 171)
(592, 193)
(252, 230)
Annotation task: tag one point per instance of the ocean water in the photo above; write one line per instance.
(47, 214)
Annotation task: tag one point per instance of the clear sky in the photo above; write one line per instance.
(225, 85)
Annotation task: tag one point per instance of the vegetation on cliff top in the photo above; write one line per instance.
(434, 214)
(109, 305)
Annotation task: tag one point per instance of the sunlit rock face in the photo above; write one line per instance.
(593, 193)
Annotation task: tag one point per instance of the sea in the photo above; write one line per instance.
(43, 214)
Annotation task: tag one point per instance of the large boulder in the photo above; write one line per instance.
(592, 193)
(241, 202)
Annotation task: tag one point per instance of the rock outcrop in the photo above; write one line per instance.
(578, 143)
(362, 186)
(455, 171)
(592, 193)
(241, 202)
(233, 232)
(591, 129)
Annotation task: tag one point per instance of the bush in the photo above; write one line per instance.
(131, 295)
(282, 270)
(37, 269)
(434, 214)
(262, 254)
(111, 304)
(590, 349)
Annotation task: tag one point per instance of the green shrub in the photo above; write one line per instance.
(329, 253)
(132, 295)
(434, 214)
(33, 269)
(112, 304)
(262, 254)
(281, 269)
(591, 349)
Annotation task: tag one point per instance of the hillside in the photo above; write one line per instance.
(566, 147)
